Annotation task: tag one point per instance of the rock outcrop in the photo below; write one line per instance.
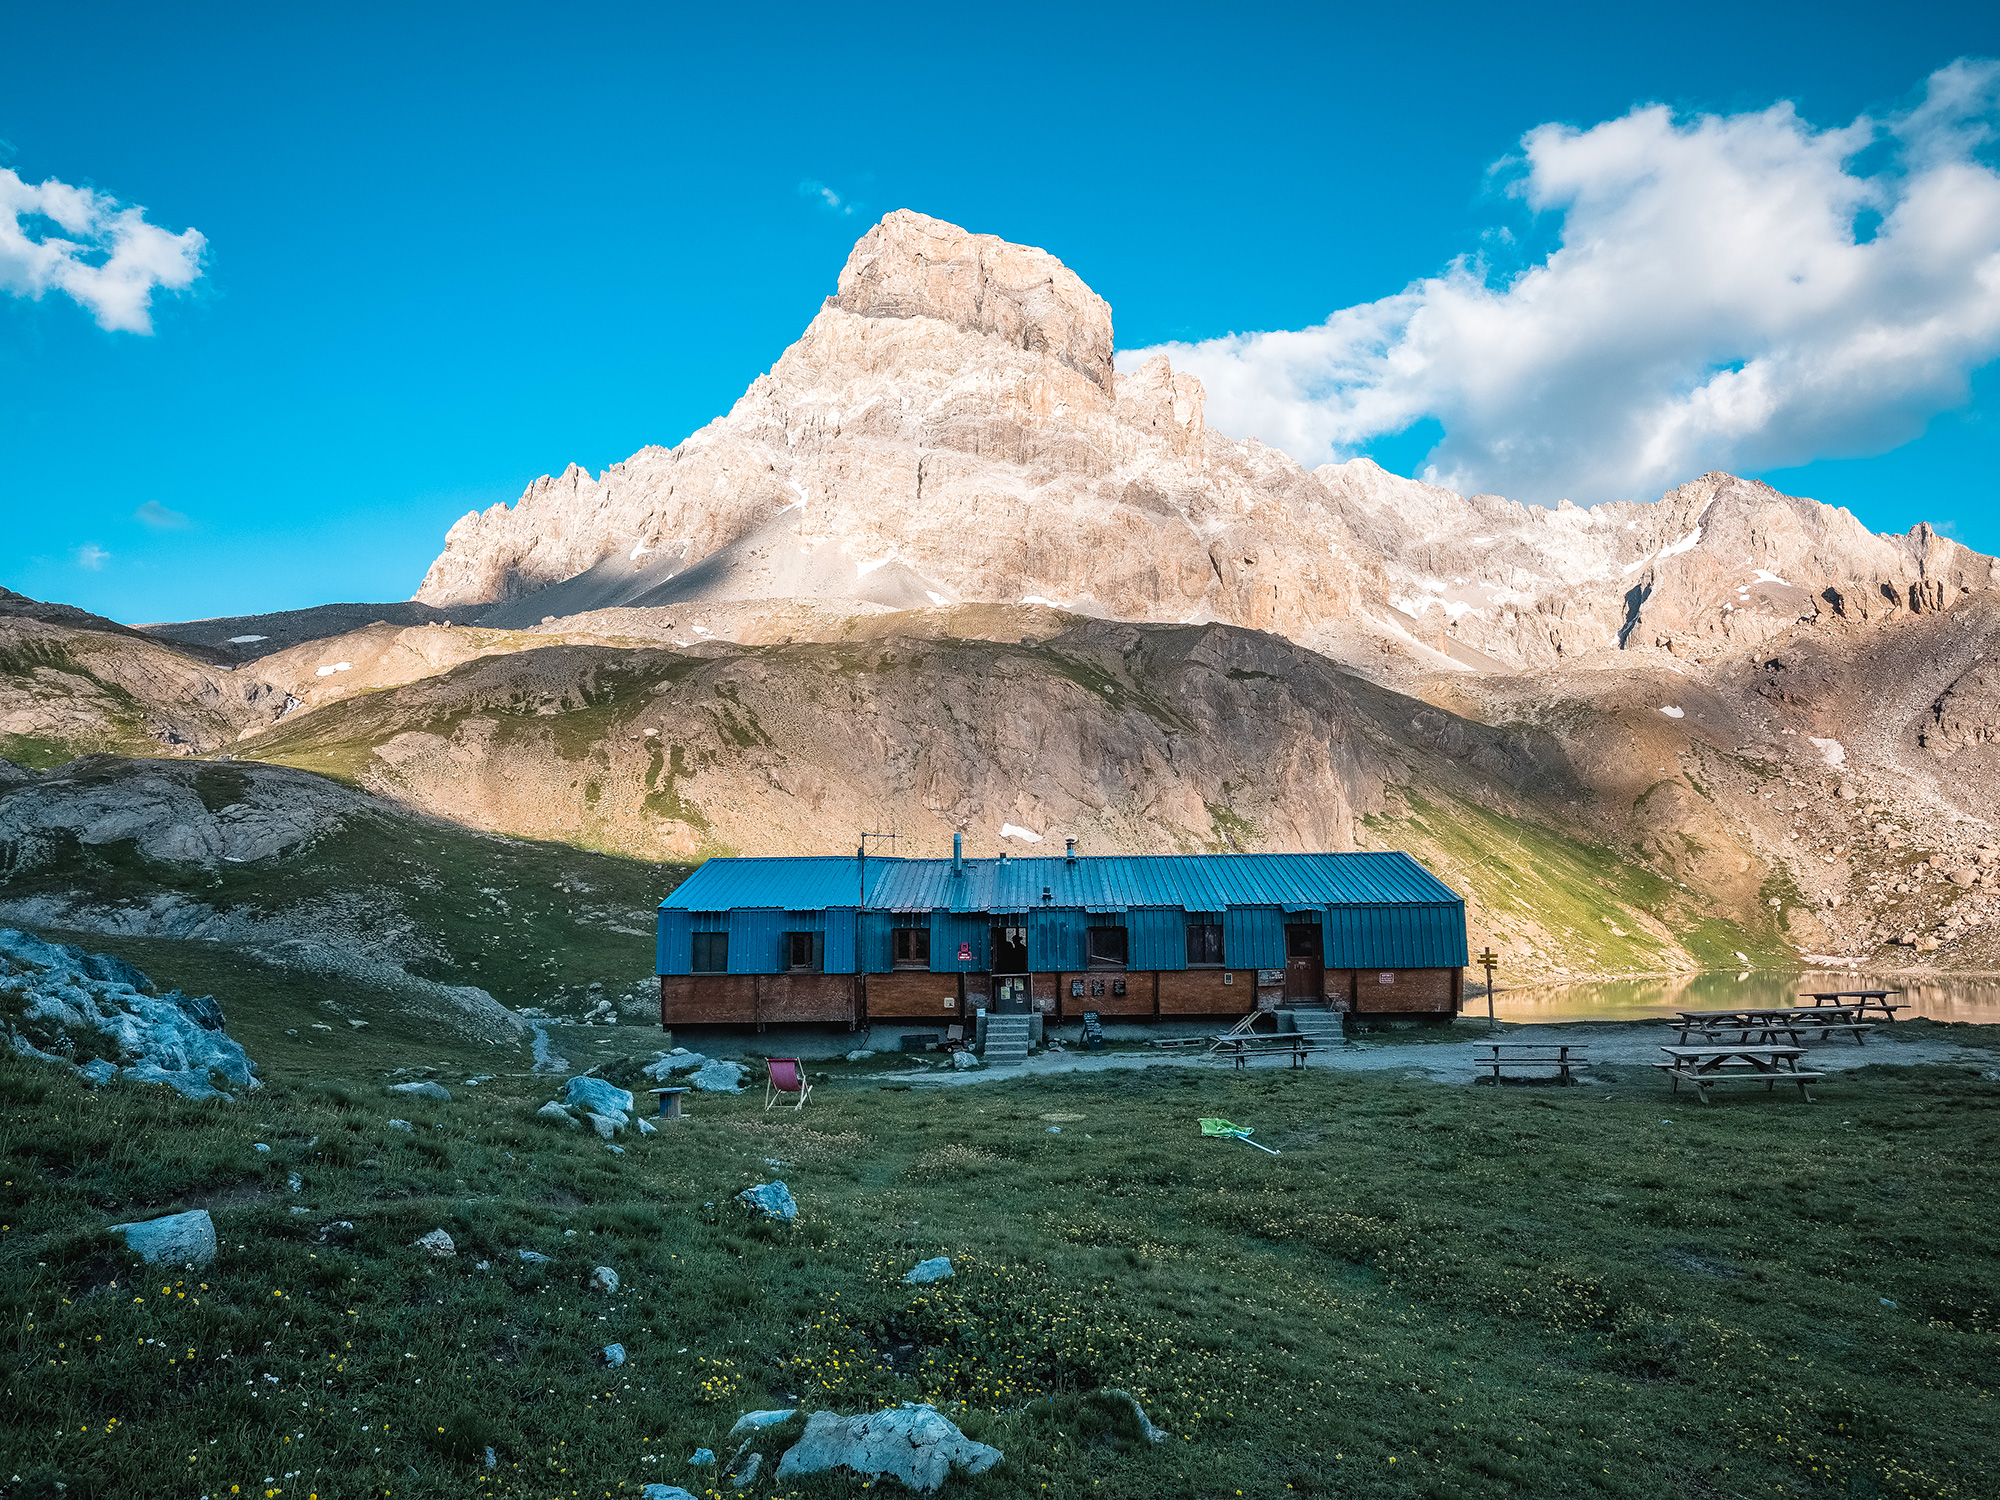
(949, 427)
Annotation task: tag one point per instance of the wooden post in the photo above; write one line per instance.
(1489, 960)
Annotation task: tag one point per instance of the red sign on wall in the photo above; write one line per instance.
(965, 953)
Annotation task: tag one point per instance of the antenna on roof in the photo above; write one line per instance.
(861, 861)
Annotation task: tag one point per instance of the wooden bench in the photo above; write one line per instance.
(1562, 1056)
(1704, 1067)
(1243, 1046)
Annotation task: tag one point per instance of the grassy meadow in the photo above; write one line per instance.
(1435, 1290)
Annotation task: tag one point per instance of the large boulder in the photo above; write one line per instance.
(916, 1445)
(771, 1199)
(718, 1077)
(598, 1097)
(175, 1240)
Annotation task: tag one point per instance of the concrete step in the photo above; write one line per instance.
(1007, 1040)
(1317, 1022)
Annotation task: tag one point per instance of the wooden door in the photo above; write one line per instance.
(1305, 977)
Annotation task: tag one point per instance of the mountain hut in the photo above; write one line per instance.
(1133, 937)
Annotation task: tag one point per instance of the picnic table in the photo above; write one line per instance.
(1562, 1056)
(1768, 1025)
(1704, 1067)
(1244, 1045)
(1863, 1001)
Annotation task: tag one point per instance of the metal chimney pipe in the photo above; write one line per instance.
(958, 854)
(1070, 850)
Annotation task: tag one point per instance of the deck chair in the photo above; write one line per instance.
(785, 1078)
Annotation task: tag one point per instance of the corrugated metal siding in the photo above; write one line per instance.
(948, 930)
(1396, 937)
(874, 955)
(1056, 940)
(840, 940)
(756, 938)
(1159, 937)
(1196, 882)
(1253, 937)
(672, 954)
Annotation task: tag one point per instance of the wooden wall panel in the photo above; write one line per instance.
(1339, 989)
(1136, 1001)
(1408, 991)
(913, 996)
(707, 999)
(806, 997)
(1201, 992)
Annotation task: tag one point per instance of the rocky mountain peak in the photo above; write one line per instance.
(913, 266)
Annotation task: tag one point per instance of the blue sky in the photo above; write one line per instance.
(445, 251)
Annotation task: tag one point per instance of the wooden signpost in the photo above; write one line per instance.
(1489, 961)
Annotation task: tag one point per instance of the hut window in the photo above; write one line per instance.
(710, 953)
(803, 952)
(1302, 940)
(1204, 945)
(910, 947)
(1107, 947)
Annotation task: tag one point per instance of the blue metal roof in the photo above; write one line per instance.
(1193, 882)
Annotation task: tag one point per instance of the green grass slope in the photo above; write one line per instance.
(1434, 1291)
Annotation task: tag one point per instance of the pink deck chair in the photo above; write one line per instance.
(785, 1079)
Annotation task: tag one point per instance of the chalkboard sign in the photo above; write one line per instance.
(1093, 1032)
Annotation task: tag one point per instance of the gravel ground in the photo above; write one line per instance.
(1610, 1045)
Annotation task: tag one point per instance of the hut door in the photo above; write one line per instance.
(1010, 995)
(1305, 977)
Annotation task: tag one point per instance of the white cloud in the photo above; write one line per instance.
(1736, 291)
(161, 517)
(91, 556)
(92, 248)
(828, 199)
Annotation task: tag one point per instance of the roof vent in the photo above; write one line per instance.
(1069, 850)
(1047, 897)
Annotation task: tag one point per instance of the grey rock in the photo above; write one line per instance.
(757, 1421)
(492, 1458)
(401, 1125)
(149, 1038)
(294, 1183)
(963, 1061)
(557, 1115)
(533, 1257)
(97, 1072)
(175, 1240)
(437, 1242)
(860, 1054)
(423, 1090)
(664, 1492)
(771, 1199)
(646, 1126)
(604, 1125)
(260, 1146)
(916, 1445)
(1152, 1433)
(937, 1268)
(701, 1458)
(604, 1279)
(598, 1097)
(718, 1077)
(614, 1355)
(746, 1476)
